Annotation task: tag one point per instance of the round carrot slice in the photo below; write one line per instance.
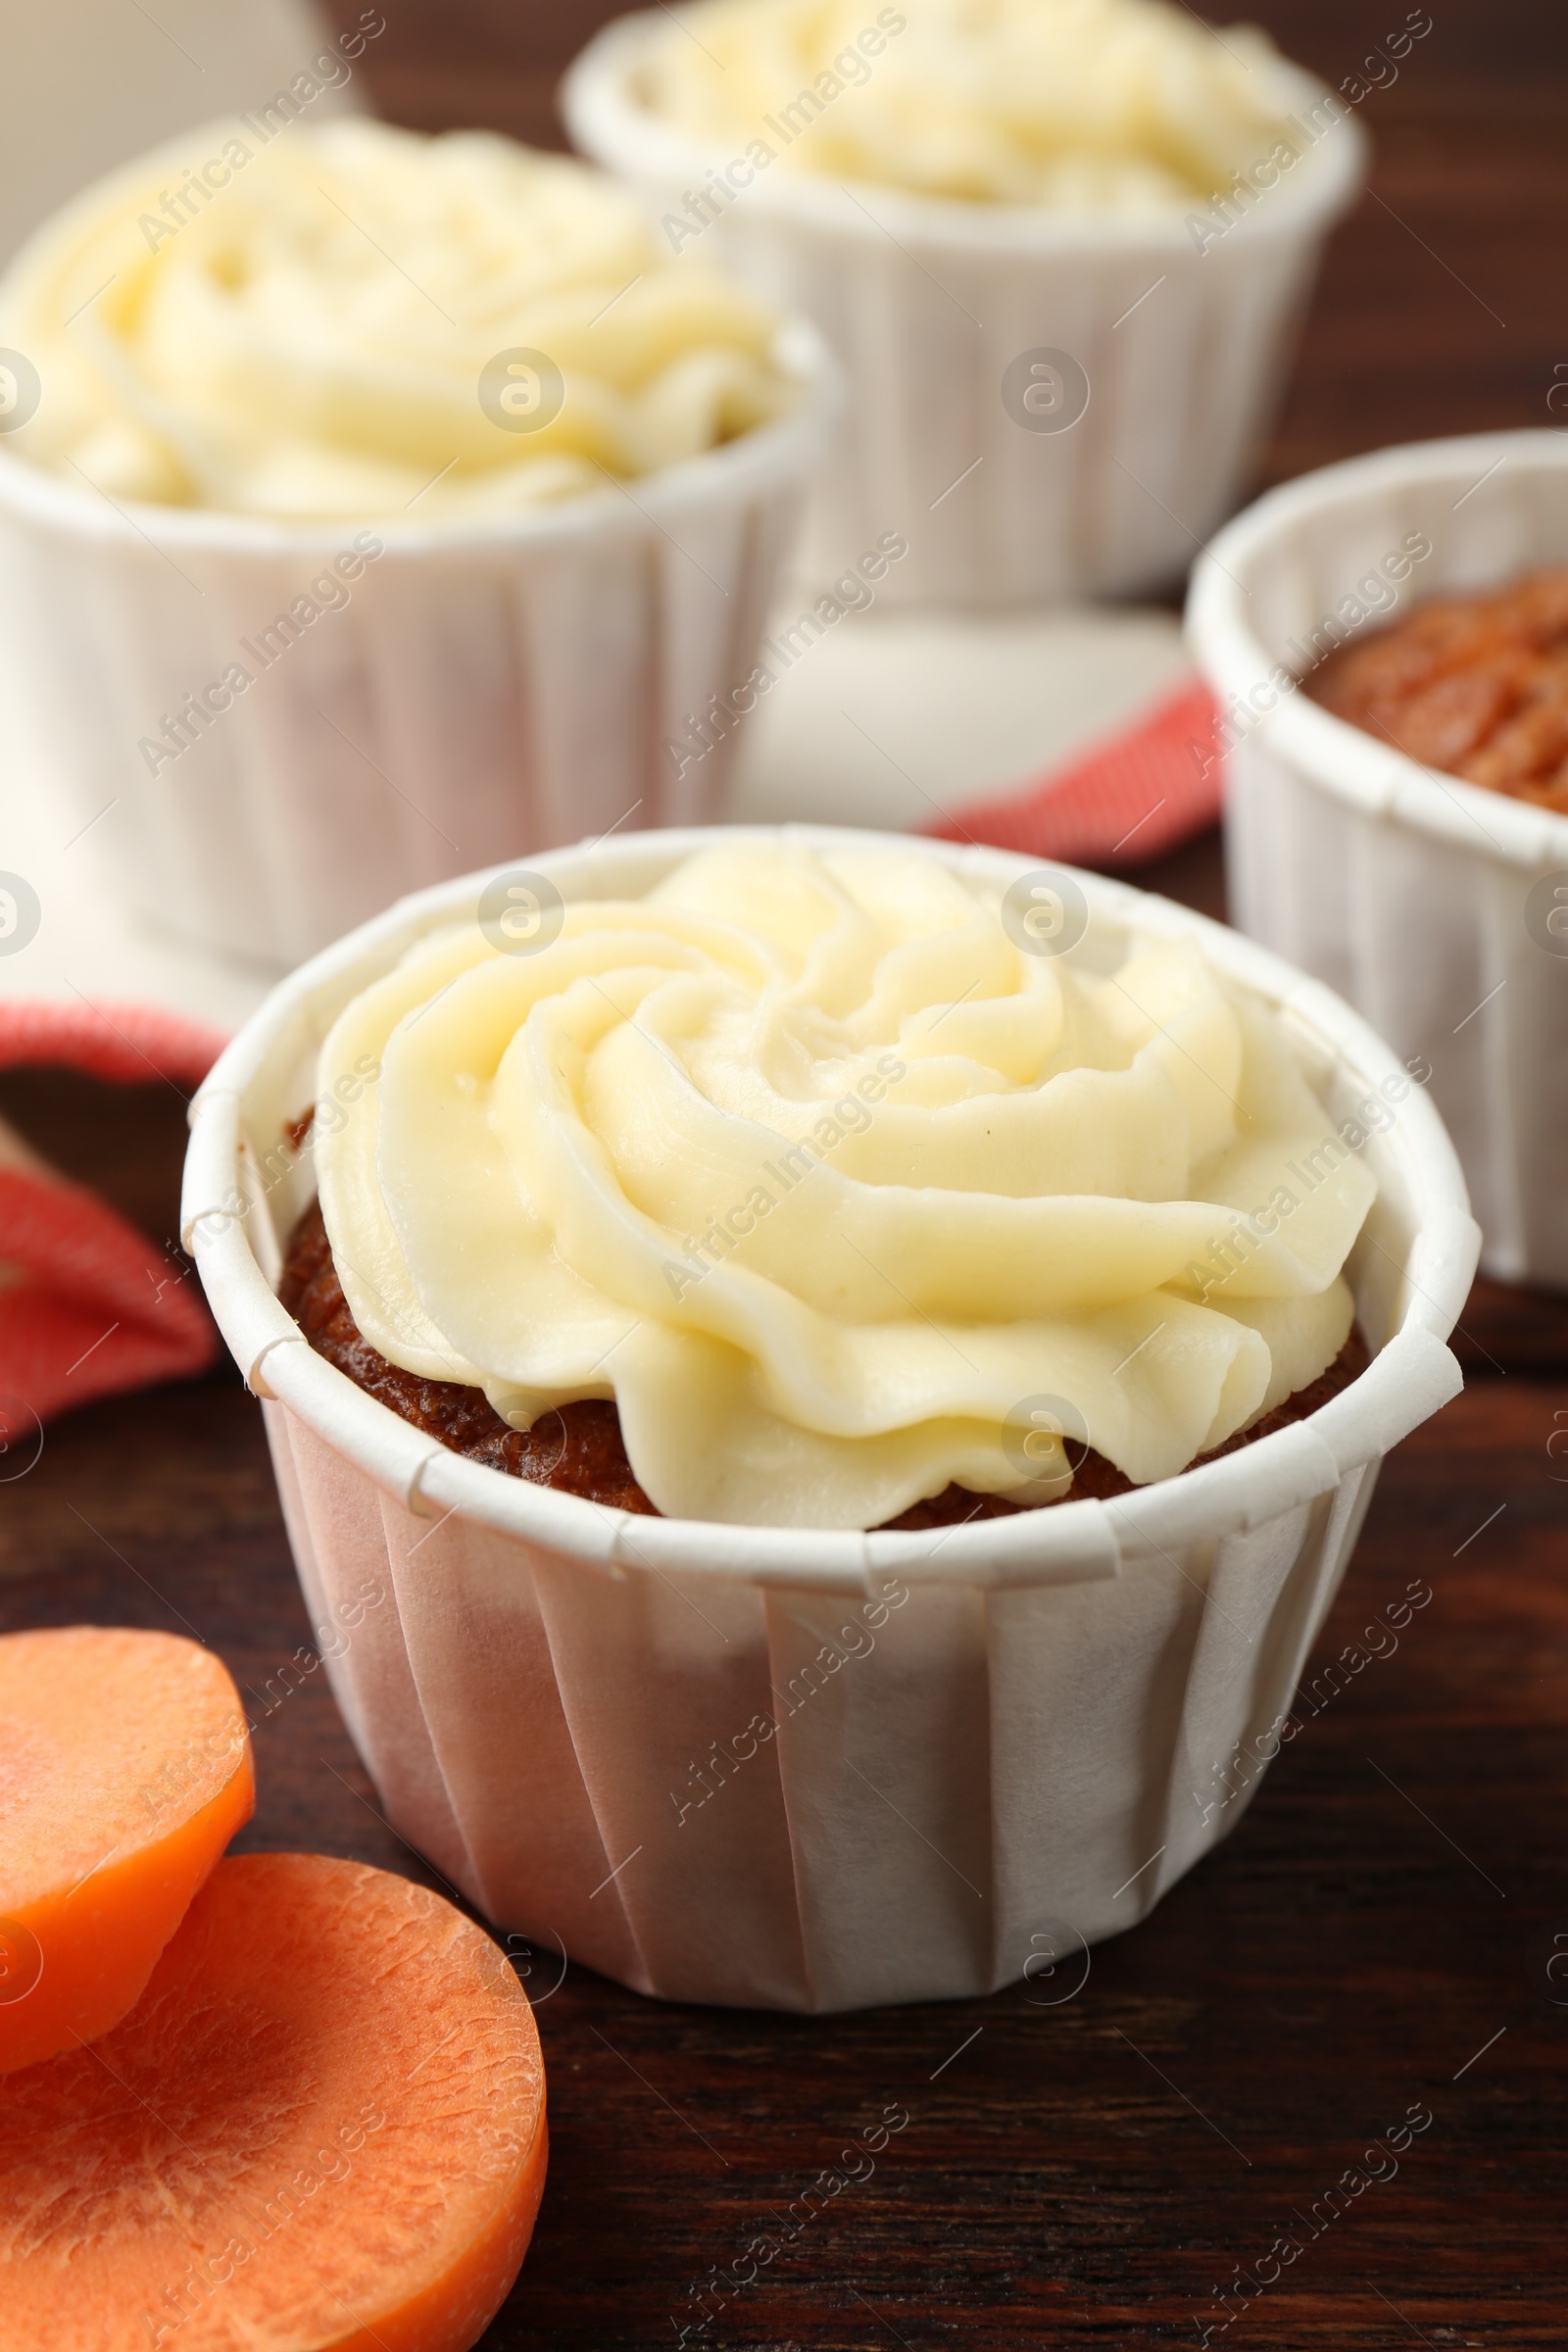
(124, 1771)
(323, 2124)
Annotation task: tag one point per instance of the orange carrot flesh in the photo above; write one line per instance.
(322, 2126)
(124, 1771)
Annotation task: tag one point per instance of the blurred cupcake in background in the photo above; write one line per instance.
(1096, 106)
(1063, 246)
(437, 430)
(1387, 640)
(304, 338)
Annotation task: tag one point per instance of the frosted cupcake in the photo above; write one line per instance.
(438, 421)
(1061, 244)
(823, 1380)
(819, 1173)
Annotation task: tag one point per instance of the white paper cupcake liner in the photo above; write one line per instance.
(928, 302)
(488, 689)
(801, 1770)
(1421, 899)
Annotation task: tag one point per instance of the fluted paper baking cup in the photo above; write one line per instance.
(800, 1770)
(422, 699)
(1440, 909)
(1159, 352)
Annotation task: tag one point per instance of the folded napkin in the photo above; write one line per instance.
(88, 1305)
(1127, 799)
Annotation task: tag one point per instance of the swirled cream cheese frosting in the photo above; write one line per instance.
(831, 1184)
(1086, 105)
(353, 319)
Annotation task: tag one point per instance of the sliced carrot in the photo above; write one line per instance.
(323, 2124)
(124, 1771)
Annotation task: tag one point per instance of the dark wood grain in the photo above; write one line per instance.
(1081, 2175)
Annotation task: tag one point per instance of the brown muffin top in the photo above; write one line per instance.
(1474, 685)
(578, 1448)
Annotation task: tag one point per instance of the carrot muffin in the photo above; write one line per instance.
(1080, 106)
(1474, 685)
(359, 320)
(814, 1190)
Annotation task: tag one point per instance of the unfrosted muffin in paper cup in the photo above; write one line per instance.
(1438, 906)
(703, 1144)
(372, 507)
(1062, 247)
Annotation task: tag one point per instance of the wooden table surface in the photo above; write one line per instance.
(1369, 1939)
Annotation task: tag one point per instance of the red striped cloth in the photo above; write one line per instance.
(1126, 800)
(88, 1305)
(128, 1042)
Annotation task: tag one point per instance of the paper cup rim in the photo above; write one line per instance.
(785, 447)
(1067, 1542)
(606, 123)
(1354, 767)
